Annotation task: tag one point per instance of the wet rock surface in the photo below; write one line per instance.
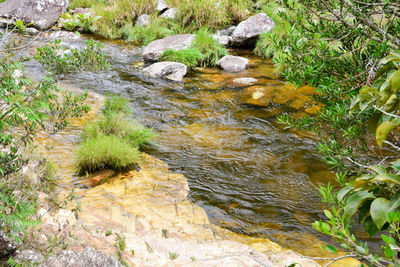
(233, 63)
(247, 31)
(173, 71)
(42, 14)
(176, 42)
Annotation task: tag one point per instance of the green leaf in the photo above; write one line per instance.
(331, 248)
(388, 239)
(369, 226)
(384, 129)
(354, 202)
(379, 210)
(395, 81)
(343, 192)
(387, 178)
(394, 202)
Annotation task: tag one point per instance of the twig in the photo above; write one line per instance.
(387, 113)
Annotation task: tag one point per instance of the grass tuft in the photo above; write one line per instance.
(190, 57)
(104, 152)
(211, 49)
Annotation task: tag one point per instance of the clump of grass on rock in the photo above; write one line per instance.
(204, 51)
(112, 141)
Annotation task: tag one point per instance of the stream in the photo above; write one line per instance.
(249, 173)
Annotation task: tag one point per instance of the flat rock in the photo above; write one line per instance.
(173, 71)
(87, 258)
(245, 81)
(170, 13)
(233, 63)
(143, 20)
(176, 42)
(248, 31)
(42, 14)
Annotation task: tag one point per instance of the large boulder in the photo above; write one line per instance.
(87, 258)
(176, 42)
(161, 6)
(173, 71)
(42, 14)
(233, 63)
(248, 31)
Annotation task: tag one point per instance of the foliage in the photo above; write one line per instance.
(83, 22)
(27, 108)
(103, 152)
(112, 141)
(211, 49)
(209, 14)
(190, 57)
(120, 125)
(382, 96)
(115, 14)
(58, 59)
(204, 51)
(157, 29)
(20, 26)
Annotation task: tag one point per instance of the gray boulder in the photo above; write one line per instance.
(176, 42)
(161, 6)
(233, 63)
(248, 31)
(143, 20)
(222, 40)
(170, 13)
(173, 71)
(87, 258)
(29, 256)
(42, 14)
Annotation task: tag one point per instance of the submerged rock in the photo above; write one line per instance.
(176, 42)
(245, 81)
(247, 31)
(42, 14)
(258, 95)
(233, 63)
(173, 71)
(87, 258)
(143, 20)
(170, 13)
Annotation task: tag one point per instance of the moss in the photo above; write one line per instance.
(103, 152)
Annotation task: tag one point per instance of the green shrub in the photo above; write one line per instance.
(82, 22)
(105, 151)
(116, 104)
(211, 49)
(190, 57)
(120, 125)
(57, 59)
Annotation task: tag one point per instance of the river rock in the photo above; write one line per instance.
(222, 40)
(233, 63)
(143, 20)
(258, 95)
(42, 14)
(176, 42)
(245, 81)
(87, 258)
(170, 13)
(173, 71)
(247, 31)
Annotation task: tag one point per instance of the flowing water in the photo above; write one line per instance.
(247, 171)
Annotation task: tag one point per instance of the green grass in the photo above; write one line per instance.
(157, 29)
(116, 104)
(104, 152)
(118, 124)
(204, 51)
(112, 141)
(210, 48)
(190, 57)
